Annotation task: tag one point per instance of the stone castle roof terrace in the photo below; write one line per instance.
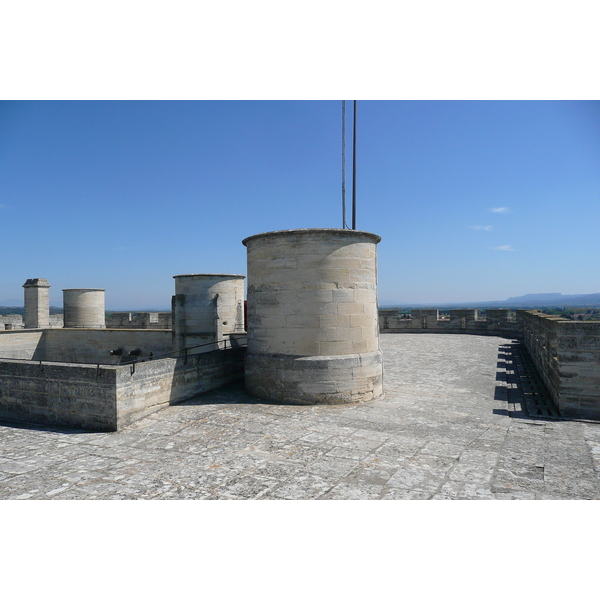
(463, 417)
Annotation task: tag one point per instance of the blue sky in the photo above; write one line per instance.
(474, 200)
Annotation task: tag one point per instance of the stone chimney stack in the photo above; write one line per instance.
(37, 303)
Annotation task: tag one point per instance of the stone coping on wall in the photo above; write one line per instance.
(329, 231)
(211, 275)
(37, 282)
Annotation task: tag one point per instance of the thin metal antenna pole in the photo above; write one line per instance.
(354, 171)
(344, 226)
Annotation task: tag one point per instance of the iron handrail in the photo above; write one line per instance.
(176, 352)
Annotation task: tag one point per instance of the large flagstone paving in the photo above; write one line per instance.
(449, 427)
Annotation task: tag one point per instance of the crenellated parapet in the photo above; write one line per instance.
(497, 322)
(140, 320)
(566, 353)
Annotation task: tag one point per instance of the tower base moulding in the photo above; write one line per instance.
(340, 379)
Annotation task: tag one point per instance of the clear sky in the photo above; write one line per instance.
(474, 200)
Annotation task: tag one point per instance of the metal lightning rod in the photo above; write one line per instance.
(344, 226)
(354, 171)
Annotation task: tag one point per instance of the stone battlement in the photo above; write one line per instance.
(140, 320)
(499, 321)
(566, 353)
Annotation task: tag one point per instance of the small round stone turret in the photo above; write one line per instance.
(84, 308)
(207, 307)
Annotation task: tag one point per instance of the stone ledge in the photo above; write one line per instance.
(344, 379)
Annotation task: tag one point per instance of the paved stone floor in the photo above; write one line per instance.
(451, 426)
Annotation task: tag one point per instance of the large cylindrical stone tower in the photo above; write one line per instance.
(84, 308)
(313, 335)
(206, 308)
(37, 303)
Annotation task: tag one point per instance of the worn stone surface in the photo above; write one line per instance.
(449, 427)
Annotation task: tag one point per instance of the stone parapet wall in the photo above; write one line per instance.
(56, 321)
(140, 320)
(83, 345)
(106, 397)
(58, 394)
(156, 384)
(499, 322)
(424, 318)
(567, 356)
(565, 353)
(11, 322)
(16, 322)
(94, 345)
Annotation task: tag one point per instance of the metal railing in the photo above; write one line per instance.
(177, 353)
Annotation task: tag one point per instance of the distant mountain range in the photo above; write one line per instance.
(526, 301)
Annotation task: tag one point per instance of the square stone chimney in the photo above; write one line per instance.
(37, 303)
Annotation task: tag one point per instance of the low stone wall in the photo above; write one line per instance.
(567, 356)
(106, 397)
(497, 322)
(16, 322)
(11, 322)
(94, 345)
(151, 385)
(56, 321)
(83, 345)
(146, 320)
(58, 394)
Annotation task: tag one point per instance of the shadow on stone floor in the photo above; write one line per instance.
(39, 427)
(519, 378)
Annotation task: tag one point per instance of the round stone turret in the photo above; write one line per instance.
(84, 308)
(207, 307)
(313, 335)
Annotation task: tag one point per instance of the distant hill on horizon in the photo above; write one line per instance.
(526, 301)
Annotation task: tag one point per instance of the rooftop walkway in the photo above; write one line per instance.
(454, 424)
